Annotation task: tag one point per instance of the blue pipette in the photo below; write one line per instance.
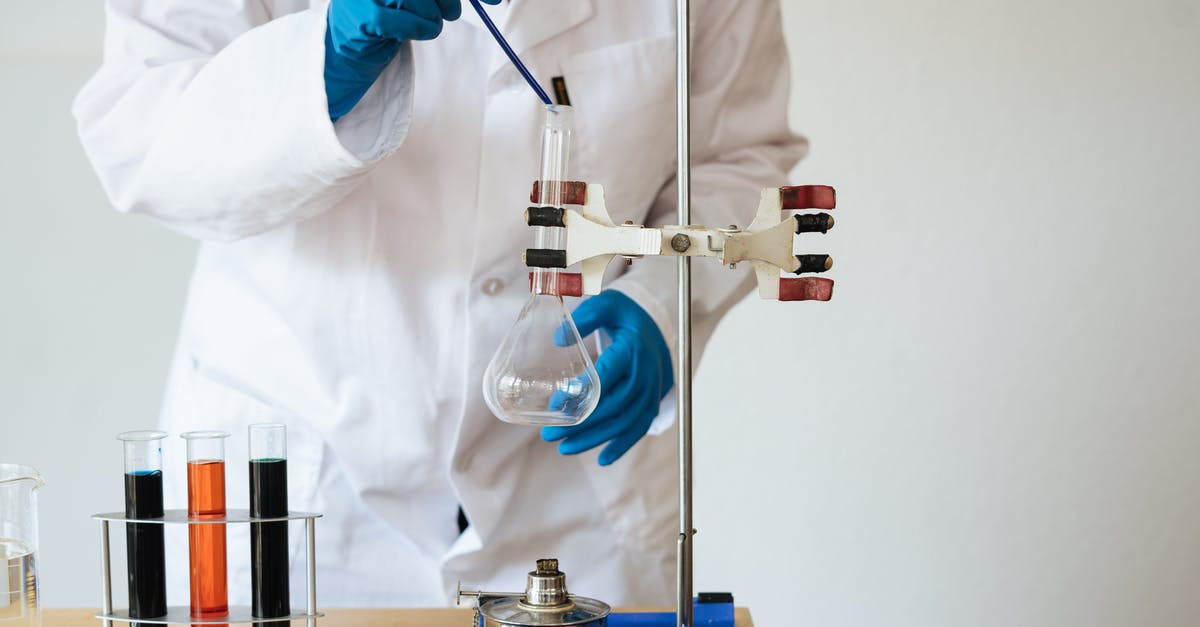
(512, 56)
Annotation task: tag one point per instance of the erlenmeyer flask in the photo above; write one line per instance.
(542, 375)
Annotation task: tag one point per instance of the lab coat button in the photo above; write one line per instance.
(492, 286)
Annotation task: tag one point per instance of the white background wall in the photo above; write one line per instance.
(995, 422)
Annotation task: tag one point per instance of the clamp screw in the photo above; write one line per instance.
(681, 243)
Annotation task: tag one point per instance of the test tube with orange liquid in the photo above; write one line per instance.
(206, 542)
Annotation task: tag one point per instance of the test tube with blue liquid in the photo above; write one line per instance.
(269, 540)
(144, 542)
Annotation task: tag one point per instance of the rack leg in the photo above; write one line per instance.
(310, 561)
(107, 574)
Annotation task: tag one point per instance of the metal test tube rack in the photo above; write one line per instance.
(181, 615)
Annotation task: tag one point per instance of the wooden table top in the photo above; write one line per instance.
(339, 618)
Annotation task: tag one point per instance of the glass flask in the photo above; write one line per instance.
(542, 374)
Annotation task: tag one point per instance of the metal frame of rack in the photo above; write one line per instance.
(181, 615)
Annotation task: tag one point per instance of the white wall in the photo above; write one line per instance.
(997, 419)
(995, 422)
(89, 299)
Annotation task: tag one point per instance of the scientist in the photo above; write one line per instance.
(356, 171)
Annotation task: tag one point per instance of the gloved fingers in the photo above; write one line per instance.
(415, 19)
(618, 384)
(552, 434)
(638, 428)
(558, 400)
(635, 431)
(590, 438)
(615, 362)
(622, 443)
(592, 314)
(604, 411)
(563, 335)
(619, 379)
(631, 421)
(616, 402)
(574, 392)
(451, 9)
(425, 9)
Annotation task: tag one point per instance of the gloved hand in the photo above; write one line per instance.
(635, 374)
(362, 37)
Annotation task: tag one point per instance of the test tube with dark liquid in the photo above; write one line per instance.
(269, 540)
(144, 542)
(206, 543)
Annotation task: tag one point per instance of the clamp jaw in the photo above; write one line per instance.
(593, 240)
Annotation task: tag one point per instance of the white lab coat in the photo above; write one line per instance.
(355, 279)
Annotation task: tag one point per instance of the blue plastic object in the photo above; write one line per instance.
(363, 36)
(704, 615)
(635, 374)
(512, 55)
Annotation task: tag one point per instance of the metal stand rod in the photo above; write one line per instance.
(310, 562)
(107, 574)
(683, 607)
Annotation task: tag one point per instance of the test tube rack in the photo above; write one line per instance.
(181, 615)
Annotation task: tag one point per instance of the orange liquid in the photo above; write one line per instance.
(206, 499)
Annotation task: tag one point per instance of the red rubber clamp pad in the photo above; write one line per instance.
(805, 288)
(569, 284)
(573, 192)
(808, 197)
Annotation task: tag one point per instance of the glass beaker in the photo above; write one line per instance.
(19, 604)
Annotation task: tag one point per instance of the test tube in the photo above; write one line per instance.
(144, 542)
(206, 543)
(269, 541)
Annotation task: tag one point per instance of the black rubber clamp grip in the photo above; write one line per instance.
(813, 223)
(814, 263)
(545, 216)
(545, 258)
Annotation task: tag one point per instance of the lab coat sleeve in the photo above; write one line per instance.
(741, 143)
(211, 117)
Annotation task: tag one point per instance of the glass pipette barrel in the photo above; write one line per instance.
(269, 541)
(144, 542)
(206, 543)
(557, 122)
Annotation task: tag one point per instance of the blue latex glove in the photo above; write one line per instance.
(362, 37)
(635, 374)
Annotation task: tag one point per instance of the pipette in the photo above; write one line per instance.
(512, 56)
